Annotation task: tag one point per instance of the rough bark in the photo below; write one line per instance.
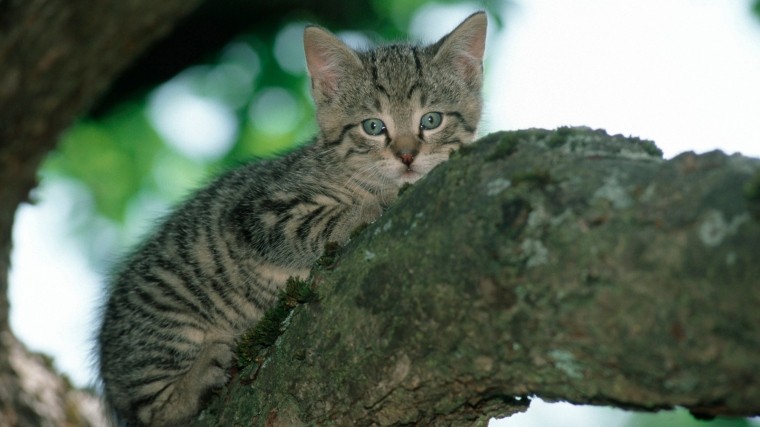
(56, 59)
(569, 265)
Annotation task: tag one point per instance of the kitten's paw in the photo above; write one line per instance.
(216, 358)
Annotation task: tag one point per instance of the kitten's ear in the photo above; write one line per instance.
(328, 60)
(463, 48)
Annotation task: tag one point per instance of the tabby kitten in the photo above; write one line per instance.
(386, 117)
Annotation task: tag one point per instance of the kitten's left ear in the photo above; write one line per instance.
(464, 47)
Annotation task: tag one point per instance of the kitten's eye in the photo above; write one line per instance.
(373, 127)
(431, 120)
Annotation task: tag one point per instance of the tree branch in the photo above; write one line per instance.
(569, 265)
(57, 58)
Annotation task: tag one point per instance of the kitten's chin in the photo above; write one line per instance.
(401, 174)
(409, 177)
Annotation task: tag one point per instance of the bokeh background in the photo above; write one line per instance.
(683, 73)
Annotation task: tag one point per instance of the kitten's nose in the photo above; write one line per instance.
(406, 156)
(406, 148)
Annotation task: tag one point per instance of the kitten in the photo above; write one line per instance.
(386, 117)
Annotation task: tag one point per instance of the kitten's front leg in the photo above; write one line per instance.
(352, 219)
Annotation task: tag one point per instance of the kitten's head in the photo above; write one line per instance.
(395, 112)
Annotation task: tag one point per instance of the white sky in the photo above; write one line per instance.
(684, 73)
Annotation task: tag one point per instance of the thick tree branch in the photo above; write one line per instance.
(570, 265)
(56, 59)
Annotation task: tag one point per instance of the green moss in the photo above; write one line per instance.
(559, 137)
(505, 148)
(329, 256)
(752, 188)
(649, 147)
(403, 188)
(269, 328)
(752, 194)
(498, 137)
(538, 177)
(514, 217)
(261, 336)
(299, 291)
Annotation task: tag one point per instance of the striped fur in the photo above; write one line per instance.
(216, 264)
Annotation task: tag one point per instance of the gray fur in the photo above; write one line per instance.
(213, 267)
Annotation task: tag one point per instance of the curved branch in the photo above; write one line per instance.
(570, 265)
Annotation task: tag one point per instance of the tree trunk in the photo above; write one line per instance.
(56, 58)
(569, 265)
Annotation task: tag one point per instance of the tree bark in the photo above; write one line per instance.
(569, 265)
(56, 59)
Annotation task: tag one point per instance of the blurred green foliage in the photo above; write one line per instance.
(113, 157)
(681, 418)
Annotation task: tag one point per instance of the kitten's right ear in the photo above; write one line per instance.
(328, 60)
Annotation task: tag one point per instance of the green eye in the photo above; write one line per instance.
(431, 120)
(373, 127)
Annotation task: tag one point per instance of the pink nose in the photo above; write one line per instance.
(406, 156)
